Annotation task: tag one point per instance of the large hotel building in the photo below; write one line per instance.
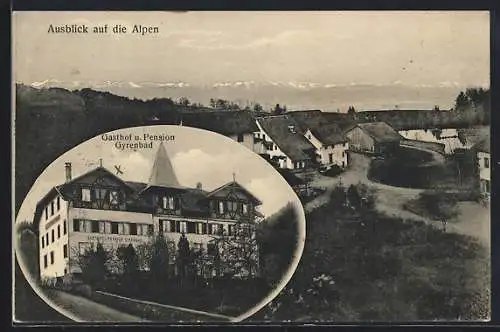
(98, 206)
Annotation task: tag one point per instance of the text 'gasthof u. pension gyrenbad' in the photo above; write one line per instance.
(135, 142)
(137, 29)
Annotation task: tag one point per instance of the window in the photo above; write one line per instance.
(168, 203)
(107, 227)
(487, 185)
(221, 207)
(486, 162)
(65, 230)
(133, 229)
(120, 228)
(102, 226)
(232, 206)
(47, 239)
(183, 227)
(230, 230)
(58, 231)
(275, 147)
(172, 226)
(113, 197)
(86, 194)
(45, 264)
(309, 136)
(53, 236)
(58, 203)
(240, 138)
(52, 208)
(94, 226)
(245, 208)
(88, 226)
(330, 158)
(51, 257)
(65, 251)
(76, 225)
(100, 193)
(343, 154)
(126, 228)
(161, 226)
(199, 228)
(192, 227)
(114, 228)
(43, 242)
(46, 213)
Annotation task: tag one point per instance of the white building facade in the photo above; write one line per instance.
(98, 207)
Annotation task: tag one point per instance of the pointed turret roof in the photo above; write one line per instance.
(162, 173)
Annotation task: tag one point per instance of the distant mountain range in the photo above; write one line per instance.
(295, 95)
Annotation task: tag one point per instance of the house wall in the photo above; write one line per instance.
(275, 151)
(81, 239)
(247, 140)
(54, 223)
(338, 151)
(484, 160)
(359, 140)
(448, 137)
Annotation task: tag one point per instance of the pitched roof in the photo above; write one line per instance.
(483, 146)
(162, 173)
(222, 122)
(381, 132)
(309, 119)
(329, 134)
(236, 185)
(293, 144)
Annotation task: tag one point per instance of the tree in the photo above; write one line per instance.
(28, 247)
(213, 103)
(183, 101)
(351, 111)
(440, 205)
(129, 259)
(238, 251)
(183, 256)
(258, 107)
(94, 265)
(462, 102)
(279, 110)
(159, 264)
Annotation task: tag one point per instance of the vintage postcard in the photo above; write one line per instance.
(251, 167)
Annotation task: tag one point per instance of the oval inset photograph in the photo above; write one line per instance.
(159, 224)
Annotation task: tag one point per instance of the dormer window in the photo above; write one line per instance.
(86, 194)
(245, 208)
(221, 207)
(113, 197)
(232, 206)
(100, 194)
(168, 203)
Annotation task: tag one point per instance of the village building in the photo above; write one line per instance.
(331, 145)
(99, 207)
(374, 137)
(447, 137)
(483, 153)
(238, 125)
(279, 138)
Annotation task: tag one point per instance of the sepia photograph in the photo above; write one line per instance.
(324, 167)
(177, 234)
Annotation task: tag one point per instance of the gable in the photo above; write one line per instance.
(234, 191)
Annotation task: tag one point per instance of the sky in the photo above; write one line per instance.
(206, 48)
(196, 156)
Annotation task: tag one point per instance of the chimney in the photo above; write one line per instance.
(199, 186)
(67, 166)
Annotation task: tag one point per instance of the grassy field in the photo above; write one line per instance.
(364, 266)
